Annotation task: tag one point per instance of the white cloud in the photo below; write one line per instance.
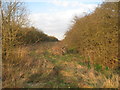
(64, 0)
(66, 3)
(57, 23)
(60, 3)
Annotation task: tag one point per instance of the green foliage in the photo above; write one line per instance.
(98, 67)
(72, 51)
(106, 68)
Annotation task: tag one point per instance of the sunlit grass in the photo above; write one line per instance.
(46, 70)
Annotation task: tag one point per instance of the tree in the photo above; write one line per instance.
(13, 17)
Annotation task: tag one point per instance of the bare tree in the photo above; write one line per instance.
(13, 17)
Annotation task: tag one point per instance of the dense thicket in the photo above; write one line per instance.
(96, 35)
(31, 35)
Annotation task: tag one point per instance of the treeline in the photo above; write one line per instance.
(32, 35)
(95, 36)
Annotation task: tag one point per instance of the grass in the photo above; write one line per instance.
(39, 68)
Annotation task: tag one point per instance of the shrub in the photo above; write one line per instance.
(96, 35)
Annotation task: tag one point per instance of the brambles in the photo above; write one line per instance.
(58, 49)
(96, 35)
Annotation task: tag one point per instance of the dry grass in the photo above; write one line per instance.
(87, 78)
(58, 49)
(36, 67)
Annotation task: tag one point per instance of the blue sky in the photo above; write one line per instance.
(54, 16)
(44, 6)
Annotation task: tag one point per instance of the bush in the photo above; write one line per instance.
(72, 51)
(96, 35)
(31, 35)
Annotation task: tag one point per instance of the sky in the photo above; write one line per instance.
(54, 17)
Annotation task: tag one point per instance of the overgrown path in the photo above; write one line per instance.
(42, 67)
